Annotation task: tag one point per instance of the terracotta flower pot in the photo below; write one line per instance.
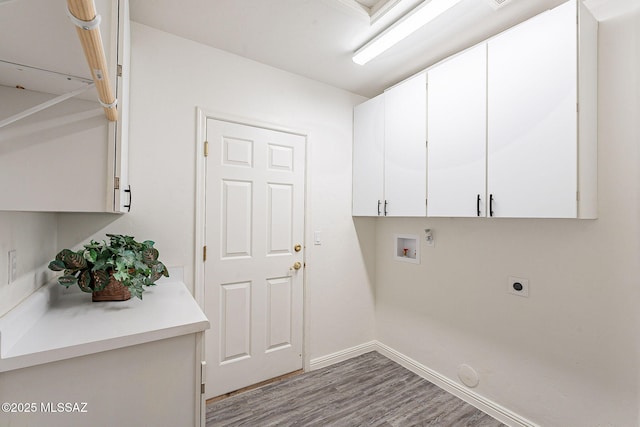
(114, 291)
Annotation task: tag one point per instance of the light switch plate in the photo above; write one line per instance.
(12, 266)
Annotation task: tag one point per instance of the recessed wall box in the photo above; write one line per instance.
(407, 248)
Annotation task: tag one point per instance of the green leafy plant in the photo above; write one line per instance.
(132, 263)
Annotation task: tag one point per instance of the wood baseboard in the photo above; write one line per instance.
(487, 406)
(340, 356)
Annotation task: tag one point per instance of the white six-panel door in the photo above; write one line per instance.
(254, 222)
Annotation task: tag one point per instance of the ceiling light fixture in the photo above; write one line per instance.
(421, 15)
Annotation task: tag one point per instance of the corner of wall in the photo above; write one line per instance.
(34, 238)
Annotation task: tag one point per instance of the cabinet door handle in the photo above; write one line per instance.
(379, 202)
(128, 190)
(478, 205)
(385, 207)
(490, 204)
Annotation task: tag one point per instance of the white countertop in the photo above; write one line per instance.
(55, 323)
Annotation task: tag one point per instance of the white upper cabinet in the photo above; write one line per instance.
(405, 136)
(535, 154)
(389, 152)
(68, 157)
(512, 122)
(457, 117)
(368, 157)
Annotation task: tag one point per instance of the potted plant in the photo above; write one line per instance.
(112, 271)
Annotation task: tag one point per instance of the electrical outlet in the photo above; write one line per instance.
(12, 266)
(518, 286)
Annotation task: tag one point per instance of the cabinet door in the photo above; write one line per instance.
(456, 128)
(532, 118)
(368, 157)
(405, 148)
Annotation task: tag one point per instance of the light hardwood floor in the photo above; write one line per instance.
(369, 390)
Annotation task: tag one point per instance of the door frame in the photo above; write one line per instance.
(202, 115)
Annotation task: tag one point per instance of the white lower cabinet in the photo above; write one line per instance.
(512, 122)
(130, 386)
(389, 152)
(124, 370)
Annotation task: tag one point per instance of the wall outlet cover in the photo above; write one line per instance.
(428, 237)
(12, 266)
(518, 286)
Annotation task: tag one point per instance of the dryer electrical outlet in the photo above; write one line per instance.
(518, 286)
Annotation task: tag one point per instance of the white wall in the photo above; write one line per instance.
(33, 237)
(170, 76)
(568, 354)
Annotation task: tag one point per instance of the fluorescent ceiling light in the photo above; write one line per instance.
(421, 15)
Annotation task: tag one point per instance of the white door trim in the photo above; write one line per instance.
(202, 114)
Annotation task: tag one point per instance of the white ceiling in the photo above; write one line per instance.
(316, 38)
(312, 38)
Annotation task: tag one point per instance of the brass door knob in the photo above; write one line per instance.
(296, 266)
(297, 247)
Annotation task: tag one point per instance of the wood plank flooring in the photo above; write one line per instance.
(369, 390)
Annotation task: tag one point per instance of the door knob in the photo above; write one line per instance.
(297, 247)
(296, 266)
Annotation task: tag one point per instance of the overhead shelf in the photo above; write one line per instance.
(45, 66)
(53, 64)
